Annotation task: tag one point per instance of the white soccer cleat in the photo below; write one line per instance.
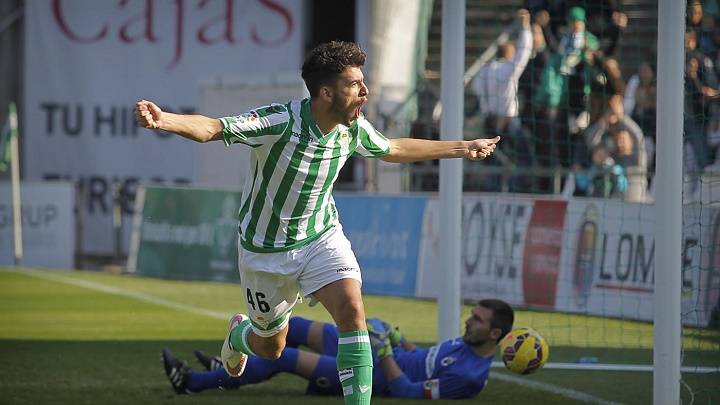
(233, 361)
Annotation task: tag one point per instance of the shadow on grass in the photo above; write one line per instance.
(125, 372)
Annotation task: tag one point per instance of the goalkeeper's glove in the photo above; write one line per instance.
(379, 338)
(396, 338)
(382, 348)
(382, 327)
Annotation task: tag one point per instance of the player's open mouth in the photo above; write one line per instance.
(357, 112)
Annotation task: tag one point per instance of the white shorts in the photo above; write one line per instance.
(273, 283)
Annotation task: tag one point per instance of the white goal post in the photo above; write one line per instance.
(668, 203)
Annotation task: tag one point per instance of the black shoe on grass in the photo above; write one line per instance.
(210, 363)
(176, 371)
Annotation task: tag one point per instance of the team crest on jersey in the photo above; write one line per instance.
(249, 116)
(344, 142)
(447, 361)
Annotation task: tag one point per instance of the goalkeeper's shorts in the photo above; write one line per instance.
(273, 283)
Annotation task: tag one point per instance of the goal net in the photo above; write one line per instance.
(562, 221)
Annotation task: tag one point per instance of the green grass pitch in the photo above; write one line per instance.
(74, 337)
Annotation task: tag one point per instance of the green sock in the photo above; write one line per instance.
(355, 364)
(239, 338)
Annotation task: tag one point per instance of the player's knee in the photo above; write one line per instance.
(350, 314)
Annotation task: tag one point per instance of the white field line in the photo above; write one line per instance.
(617, 367)
(566, 392)
(131, 294)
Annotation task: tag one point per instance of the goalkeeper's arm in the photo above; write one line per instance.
(399, 384)
(407, 345)
(380, 338)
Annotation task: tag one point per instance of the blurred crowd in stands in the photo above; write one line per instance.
(558, 96)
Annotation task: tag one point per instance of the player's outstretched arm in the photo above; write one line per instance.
(198, 128)
(398, 382)
(408, 150)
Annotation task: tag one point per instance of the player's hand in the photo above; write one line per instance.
(382, 348)
(377, 325)
(148, 115)
(480, 149)
(379, 338)
(396, 338)
(377, 329)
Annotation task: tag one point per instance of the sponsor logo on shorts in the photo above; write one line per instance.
(347, 270)
(346, 373)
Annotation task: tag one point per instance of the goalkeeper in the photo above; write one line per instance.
(455, 369)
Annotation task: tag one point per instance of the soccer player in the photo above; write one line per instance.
(290, 239)
(454, 369)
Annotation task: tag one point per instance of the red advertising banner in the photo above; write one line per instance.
(542, 255)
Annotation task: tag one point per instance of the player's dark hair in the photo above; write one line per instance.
(327, 61)
(503, 316)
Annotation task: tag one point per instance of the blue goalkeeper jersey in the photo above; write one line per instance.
(450, 370)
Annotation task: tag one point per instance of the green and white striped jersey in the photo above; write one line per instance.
(287, 199)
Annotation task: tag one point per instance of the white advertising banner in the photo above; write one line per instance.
(609, 267)
(493, 237)
(88, 62)
(588, 256)
(48, 224)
